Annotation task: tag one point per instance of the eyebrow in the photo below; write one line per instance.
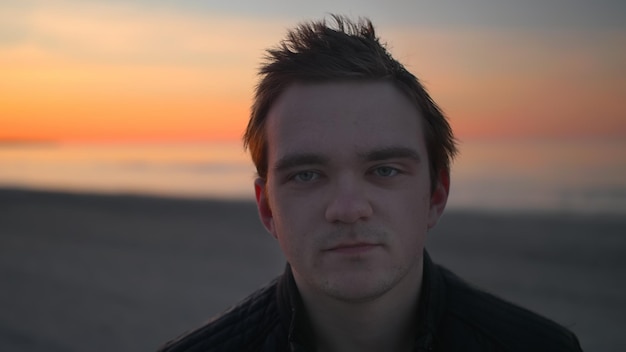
(295, 160)
(395, 152)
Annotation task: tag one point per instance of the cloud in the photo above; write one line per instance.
(68, 55)
(440, 14)
(522, 82)
(129, 34)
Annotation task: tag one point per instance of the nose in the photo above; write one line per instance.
(348, 203)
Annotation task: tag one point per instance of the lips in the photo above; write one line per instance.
(353, 248)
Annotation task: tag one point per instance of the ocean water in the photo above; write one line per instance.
(564, 176)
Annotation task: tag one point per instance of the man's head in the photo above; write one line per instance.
(352, 157)
(321, 52)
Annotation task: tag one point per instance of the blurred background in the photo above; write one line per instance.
(123, 177)
(153, 96)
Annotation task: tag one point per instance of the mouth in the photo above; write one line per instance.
(353, 248)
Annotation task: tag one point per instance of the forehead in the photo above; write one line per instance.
(342, 117)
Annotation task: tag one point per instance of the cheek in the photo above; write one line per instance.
(411, 213)
(295, 207)
(288, 227)
(298, 224)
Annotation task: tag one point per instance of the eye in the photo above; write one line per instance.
(385, 171)
(305, 176)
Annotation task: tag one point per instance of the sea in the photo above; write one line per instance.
(573, 176)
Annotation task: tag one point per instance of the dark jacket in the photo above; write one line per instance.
(453, 316)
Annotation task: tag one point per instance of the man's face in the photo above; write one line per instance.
(347, 193)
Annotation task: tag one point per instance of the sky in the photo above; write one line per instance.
(158, 70)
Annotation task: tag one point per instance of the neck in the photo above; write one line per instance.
(385, 323)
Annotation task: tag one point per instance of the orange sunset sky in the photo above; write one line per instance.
(185, 70)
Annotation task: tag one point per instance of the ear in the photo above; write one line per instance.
(263, 206)
(439, 198)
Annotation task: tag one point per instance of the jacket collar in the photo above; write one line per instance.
(431, 305)
(294, 319)
(293, 316)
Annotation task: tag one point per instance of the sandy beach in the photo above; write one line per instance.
(126, 273)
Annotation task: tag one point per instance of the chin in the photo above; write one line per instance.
(358, 287)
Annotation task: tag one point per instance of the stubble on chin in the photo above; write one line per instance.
(358, 278)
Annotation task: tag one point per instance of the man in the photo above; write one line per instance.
(353, 170)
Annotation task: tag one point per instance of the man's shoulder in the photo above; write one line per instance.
(240, 328)
(501, 323)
